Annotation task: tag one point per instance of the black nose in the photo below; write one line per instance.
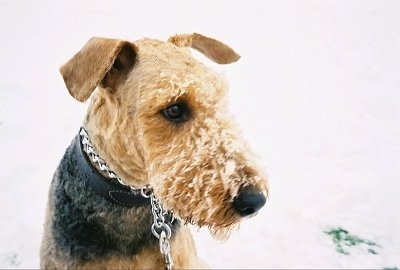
(249, 201)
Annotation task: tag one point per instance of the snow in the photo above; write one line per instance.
(316, 93)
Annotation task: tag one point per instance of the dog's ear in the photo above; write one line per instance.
(213, 49)
(101, 61)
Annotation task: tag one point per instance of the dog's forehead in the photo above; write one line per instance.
(165, 56)
(162, 49)
(168, 72)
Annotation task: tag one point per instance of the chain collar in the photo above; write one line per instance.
(161, 217)
(101, 164)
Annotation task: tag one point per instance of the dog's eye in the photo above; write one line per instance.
(176, 113)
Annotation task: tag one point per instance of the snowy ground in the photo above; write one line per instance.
(317, 92)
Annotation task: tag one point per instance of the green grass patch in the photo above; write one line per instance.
(343, 241)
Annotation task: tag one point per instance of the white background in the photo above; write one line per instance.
(316, 93)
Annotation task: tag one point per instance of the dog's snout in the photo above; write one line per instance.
(248, 201)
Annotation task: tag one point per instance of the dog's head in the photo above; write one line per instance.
(160, 117)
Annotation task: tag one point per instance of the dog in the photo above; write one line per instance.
(157, 150)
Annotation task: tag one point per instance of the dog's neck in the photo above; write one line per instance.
(103, 180)
(123, 194)
(105, 122)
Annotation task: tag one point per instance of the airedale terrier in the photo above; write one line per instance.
(157, 151)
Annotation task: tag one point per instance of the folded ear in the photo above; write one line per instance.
(101, 61)
(213, 49)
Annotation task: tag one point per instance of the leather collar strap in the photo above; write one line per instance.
(108, 188)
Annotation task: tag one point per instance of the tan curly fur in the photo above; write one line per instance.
(195, 168)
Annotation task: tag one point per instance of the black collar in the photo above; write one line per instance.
(108, 188)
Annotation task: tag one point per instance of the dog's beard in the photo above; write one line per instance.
(205, 205)
(220, 231)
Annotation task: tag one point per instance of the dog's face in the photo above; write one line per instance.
(160, 117)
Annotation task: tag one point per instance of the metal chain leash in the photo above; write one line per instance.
(160, 228)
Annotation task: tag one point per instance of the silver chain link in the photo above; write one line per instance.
(160, 228)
